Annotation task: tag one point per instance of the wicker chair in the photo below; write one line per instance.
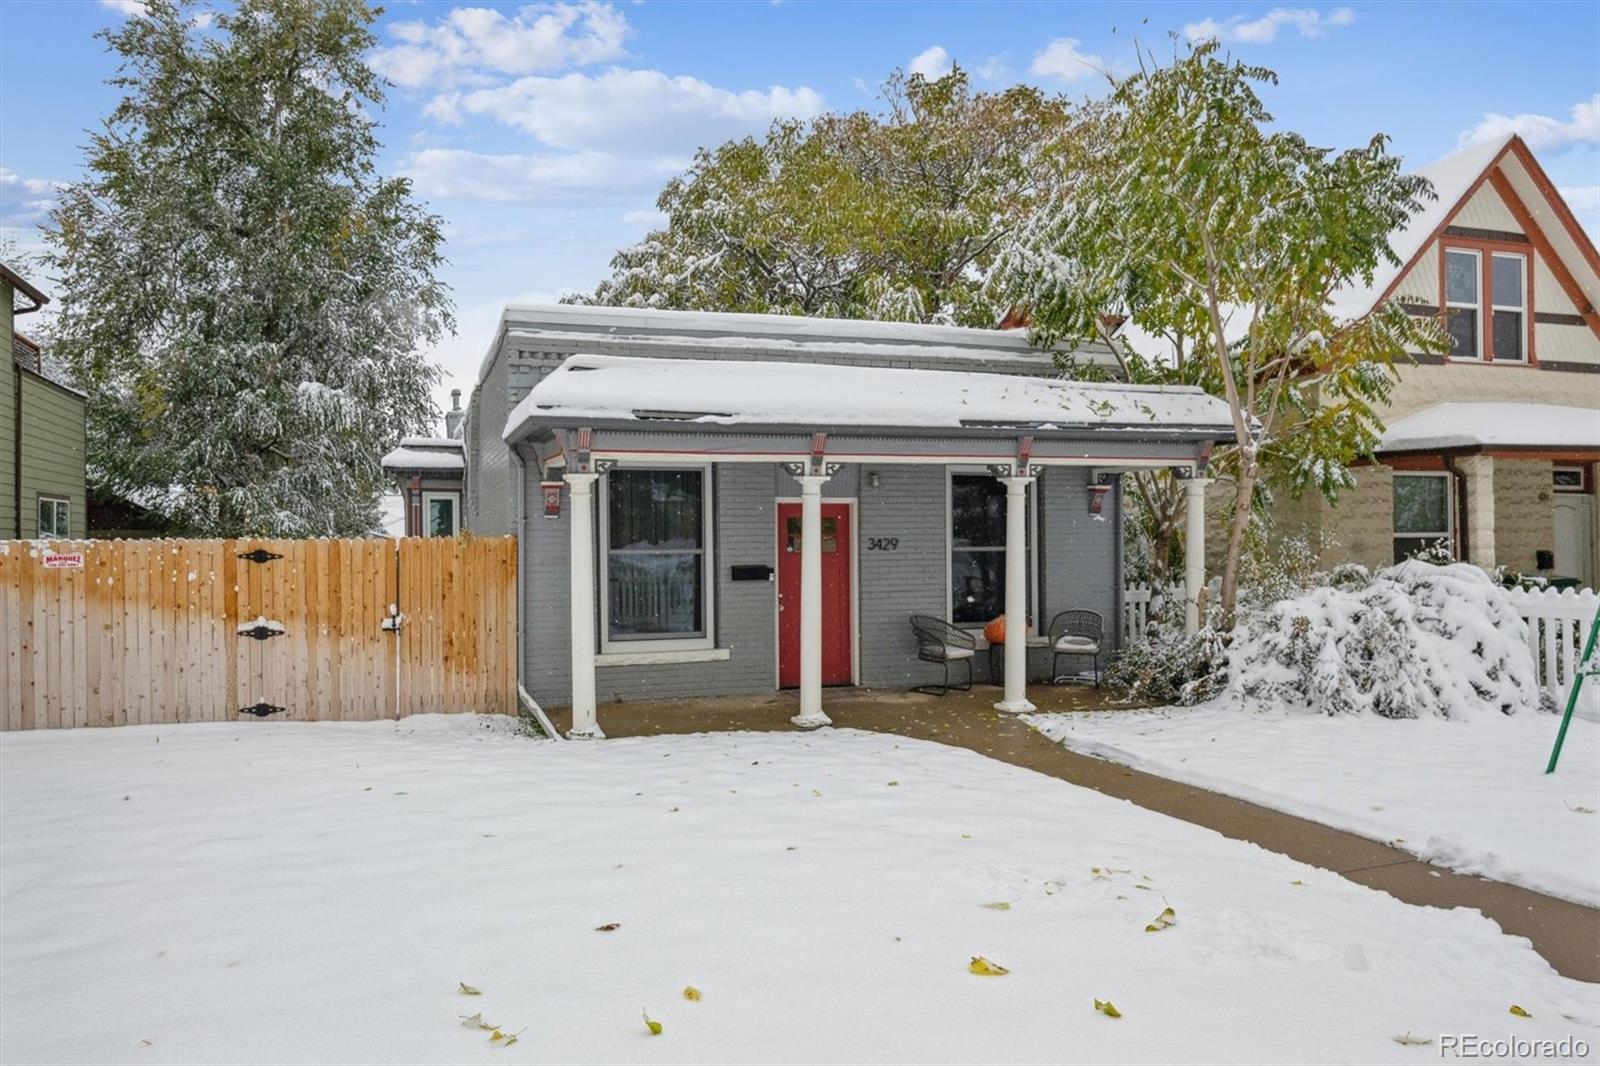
(940, 642)
(1076, 633)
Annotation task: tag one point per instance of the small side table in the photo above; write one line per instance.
(997, 658)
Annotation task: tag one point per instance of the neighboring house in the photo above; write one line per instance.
(1491, 447)
(430, 473)
(42, 439)
(682, 483)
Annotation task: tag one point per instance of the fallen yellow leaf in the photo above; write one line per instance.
(1107, 1008)
(651, 1024)
(998, 905)
(692, 994)
(984, 968)
(468, 990)
(1519, 1012)
(1165, 920)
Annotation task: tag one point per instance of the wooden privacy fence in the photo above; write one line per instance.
(124, 632)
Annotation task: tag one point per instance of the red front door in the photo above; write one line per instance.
(836, 610)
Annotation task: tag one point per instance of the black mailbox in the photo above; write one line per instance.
(752, 572)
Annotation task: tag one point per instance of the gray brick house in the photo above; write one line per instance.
(719, 504)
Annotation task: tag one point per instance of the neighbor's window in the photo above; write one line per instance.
(1509, 297)
(54, 517)
(978, 549)
(657, 571)
(440, 514)
(1463, 275)
(1421, 513)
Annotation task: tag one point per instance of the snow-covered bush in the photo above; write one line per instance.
(1418, 640)
(1171, 667)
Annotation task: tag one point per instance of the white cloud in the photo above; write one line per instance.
(1585, 203)
(931, 63)
(1542, 132)
(24, 201)
(570, 179)
(993, 69)
(640, 112)
(1064, 59)
(471, 44)
(134, 8)
(1308, 21)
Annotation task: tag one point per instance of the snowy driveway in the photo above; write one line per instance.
(279, 891)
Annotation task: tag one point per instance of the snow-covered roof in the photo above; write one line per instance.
(1452, 178)
(427, 453)
(603, 388)
(1493, 425)
(641, 330)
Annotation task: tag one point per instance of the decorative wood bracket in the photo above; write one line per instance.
(261, 710)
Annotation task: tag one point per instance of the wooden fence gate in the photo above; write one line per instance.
(125, 632)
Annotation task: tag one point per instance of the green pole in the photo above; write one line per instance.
(1577, 685)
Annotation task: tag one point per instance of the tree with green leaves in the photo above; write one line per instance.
(243, 296)
(1201, 223)
(894, 214)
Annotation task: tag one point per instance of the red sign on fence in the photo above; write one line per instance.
(63, 560)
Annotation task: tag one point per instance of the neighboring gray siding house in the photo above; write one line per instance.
(688, 486)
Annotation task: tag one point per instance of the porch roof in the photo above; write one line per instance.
(594, 390)
(1479, 426)
(437, 454)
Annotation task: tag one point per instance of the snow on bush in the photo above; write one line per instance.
(1418, 640)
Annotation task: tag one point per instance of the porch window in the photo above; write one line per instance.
(1462, 276)
(1508, 298)
(656, 567)
(1421, 513)
(978, 549)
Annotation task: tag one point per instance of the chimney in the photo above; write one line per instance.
(453, 417)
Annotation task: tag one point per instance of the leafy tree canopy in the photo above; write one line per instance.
(243, 295)
(895, 214)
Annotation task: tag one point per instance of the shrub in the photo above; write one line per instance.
(1417, 640)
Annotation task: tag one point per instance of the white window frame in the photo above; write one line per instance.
(1521, 308)
(1449, 534)
(1475, 308)
(950, 474)
(454, 497)
(708, 572)
(62, 506)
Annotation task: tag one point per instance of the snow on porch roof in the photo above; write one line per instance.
(1493, 425)
(426, 453)
(603, 388)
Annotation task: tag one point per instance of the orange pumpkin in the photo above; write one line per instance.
(995, 631)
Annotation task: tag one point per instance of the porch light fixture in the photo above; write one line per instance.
(1097, 501)
(872, 479)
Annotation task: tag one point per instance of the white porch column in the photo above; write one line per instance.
(811, 716)
(581, 571)
(1016, 690)
(1194, 550)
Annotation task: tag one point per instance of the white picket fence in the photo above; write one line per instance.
(1558, 627)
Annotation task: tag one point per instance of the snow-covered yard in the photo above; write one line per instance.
(293, 892)
(1468, 794)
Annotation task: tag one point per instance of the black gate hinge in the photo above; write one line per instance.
(261, 710)
(260, 555)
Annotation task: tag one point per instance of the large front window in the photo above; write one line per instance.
(1421, 513)
(656, 526)
(978, 549)
(1509, 293)
(1486, 304)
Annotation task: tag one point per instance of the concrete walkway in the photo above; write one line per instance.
(1566, 934)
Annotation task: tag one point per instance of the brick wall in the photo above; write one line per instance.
(1524, 517)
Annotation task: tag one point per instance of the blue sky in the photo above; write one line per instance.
(542, 132)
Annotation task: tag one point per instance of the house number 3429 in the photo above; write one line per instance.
(883, 544)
